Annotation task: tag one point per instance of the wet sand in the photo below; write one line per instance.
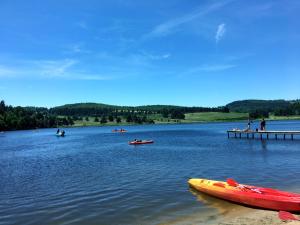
(240, 216)
(220, 212)
(256, 217)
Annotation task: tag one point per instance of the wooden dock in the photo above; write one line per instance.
(268, 134)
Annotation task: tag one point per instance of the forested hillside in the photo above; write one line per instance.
(19, 118)
(15, 118)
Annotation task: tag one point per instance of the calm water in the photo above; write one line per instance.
(92, 176)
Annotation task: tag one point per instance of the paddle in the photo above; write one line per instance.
(233, 183)
(283, 215)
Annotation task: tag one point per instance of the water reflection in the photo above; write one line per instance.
(223, 207)
(264, 145)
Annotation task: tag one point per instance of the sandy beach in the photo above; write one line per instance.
(255, 217)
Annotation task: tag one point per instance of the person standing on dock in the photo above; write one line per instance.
(263, 124)
(248, 125)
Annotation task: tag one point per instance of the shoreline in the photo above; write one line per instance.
(157, 123)
(254, 217)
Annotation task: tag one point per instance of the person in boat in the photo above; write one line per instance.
(263, 124)
(63, 133)
(57, 132)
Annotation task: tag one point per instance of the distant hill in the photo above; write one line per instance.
(98, 109)
(258, 105)
(243, 106)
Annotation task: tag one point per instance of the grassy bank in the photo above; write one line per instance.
(158, 119)
(215, 116)
(272, 117)
(189, 118)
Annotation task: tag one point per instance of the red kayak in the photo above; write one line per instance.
(119, 131)
(141, 142)
(249, 195)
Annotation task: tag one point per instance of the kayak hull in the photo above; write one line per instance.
(141, 142)
(259, 197)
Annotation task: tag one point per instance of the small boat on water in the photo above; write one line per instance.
(60, 134)
(260, 197)
(141, 142)
(119, 131)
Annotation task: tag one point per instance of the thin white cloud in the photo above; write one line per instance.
(168, 27)
(155, 57)
(6, 71)
(50, 69)
(220, 32)
(211, 68)
(82, 25)
(76, 49)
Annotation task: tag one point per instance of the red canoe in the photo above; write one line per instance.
(141, 142)
(248, 195)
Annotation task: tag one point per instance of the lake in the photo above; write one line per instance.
(92, 176)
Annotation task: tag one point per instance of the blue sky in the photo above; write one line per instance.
(125, 52)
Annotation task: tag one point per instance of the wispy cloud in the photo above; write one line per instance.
(155, 57)
(6, 71)
(220, 32)
(55, 68)
(82, 24)
(50, 69)
(76, 49)
(170, 26)
(211, 68)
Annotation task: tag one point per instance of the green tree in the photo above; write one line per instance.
(96, 119)
(70, 120)
(119, 120)
(103, 120)
(2, 107)
(176, 114)
(129, 118)
(110, 118)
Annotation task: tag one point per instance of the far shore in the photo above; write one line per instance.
(172, 122)
(115, 125)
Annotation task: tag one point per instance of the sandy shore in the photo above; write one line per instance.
(255, 217)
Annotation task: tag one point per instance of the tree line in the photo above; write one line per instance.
(262, 108)
(17, 118)
(93, 109)
(21, 118)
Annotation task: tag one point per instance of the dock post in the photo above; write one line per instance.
(247, 135)
(240, 135)
(276, 136)
(292, 136)
(227, 134)
(267, 136)
(260, 136)
(284, 136)
(235, 135)
(252, 135)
